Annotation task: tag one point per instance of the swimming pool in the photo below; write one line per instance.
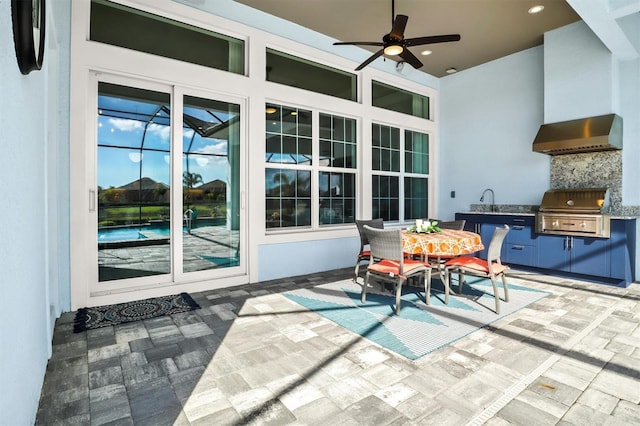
(110, 235)
(153, 231)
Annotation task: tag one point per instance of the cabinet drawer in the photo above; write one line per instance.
(518, 254)
(520, 234)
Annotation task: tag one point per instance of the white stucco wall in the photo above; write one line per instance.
(490, 115)
(23, 317)
(579, 75)
(29, 248)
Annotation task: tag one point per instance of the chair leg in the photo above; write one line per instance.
(460, 282)
(356, 272)
(506, 287)
(445, 281)
(495, 293)
(427, 287)
(398, 295)
(363, 295)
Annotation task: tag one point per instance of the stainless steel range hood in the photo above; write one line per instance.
(602, 133)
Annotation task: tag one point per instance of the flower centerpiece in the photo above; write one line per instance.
(424, 227)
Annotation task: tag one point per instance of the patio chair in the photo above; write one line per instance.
(365, 253)
(491, 268)
(388, 263)
(438, 262)
(450, 224)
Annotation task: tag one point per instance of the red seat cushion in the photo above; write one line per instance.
(476, 264)
(392, 267)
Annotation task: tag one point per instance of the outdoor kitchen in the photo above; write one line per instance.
(570, 231)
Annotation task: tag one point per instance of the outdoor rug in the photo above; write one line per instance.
(419, 329)
(104, 316)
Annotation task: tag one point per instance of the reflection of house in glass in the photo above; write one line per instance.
(144, 190)
(214, 190)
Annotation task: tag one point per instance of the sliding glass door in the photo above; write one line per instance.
(166, 209)
(211, 172)
(134, 182)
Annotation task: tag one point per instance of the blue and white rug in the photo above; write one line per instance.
(419, 329)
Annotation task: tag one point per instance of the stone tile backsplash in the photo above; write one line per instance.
(590, 170)
(586, 170)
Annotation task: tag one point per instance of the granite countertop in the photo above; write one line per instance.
(501, 213)
(530, 210)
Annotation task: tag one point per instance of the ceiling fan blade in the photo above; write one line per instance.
(407, 56)
(431, 39)
(360, 43)
(399, 24)
(371, 59)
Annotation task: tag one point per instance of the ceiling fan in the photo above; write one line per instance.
(394, 43)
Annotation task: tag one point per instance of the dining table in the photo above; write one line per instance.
(444, 244)
(441, 246)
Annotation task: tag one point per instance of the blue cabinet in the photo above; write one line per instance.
(610, 260)
(578, 255)
(517, 248)
(623, 249)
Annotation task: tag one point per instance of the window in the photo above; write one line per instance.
(389, 172)
(337, 184)
(291, 193)
(394, 99)
(308, 75)
(134, 165)
(164, 37)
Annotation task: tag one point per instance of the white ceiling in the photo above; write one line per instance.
(489, 29)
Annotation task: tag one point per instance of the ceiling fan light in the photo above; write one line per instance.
(536, 9)
(393, 49)
(426, 52)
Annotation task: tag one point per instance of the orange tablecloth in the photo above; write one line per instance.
(446, 244)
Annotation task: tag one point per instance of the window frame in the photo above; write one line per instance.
(402, 174)
(316, 169)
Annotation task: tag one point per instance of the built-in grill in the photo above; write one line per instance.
(579, 212)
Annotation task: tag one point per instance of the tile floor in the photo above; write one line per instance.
(251, 356)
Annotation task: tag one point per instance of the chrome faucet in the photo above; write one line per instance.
(493, 198)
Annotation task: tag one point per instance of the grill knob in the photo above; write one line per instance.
(570, 202)
(555, 223)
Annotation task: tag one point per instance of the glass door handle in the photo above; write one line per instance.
(92, 200)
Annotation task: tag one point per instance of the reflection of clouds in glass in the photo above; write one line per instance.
(163, 132)
(219, 147)
(125, 125)
(187, 133)
(135, 157)
(220, 163)
(167, 159)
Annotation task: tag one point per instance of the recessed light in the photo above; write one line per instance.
(536, 9)
(451, 70)
(426, 52)
(270, 110)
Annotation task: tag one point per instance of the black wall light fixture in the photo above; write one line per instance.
(29, 32)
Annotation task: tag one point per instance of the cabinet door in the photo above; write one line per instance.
(518, 254)
(552, 252)
(623, 237)
(590, 256)
(521, 231)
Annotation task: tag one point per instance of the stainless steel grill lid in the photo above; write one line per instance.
(578, 212)
(578, 200)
